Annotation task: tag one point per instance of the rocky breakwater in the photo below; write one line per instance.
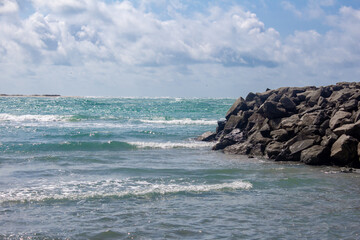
(314, 125)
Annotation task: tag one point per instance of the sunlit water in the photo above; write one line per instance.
(117, 168)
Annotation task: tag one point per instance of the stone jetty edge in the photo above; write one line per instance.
(313, 125)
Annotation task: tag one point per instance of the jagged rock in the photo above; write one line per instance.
(315, 155)
(250, 97)
(339, 119)
(350, 105)
(301, 145)
(271, 110)
(221, 126)
(341, 95)
(273, 149)
(239, 148)
(207, 137)
(265, 130)
(320, 118)
(352, 129)
(290, 122)
(313, 97)
(328, 140)
(238, 105)
(233, 137)
(308, 119)
(232, 123)
(288, 103)
(311, 118)
(279, 135)
(344, 150)
(264, 96)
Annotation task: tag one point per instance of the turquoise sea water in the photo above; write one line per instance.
(129, 168)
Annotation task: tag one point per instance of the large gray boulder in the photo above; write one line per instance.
(340, 118)
(238, 105)
(315, 155)
(273, 149)
(344, 150)
(271, 110)
(301, 145)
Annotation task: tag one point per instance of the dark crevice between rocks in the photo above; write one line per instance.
(317, 126)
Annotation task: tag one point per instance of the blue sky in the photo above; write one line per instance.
(219, 48)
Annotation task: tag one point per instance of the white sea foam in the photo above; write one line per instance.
(168, 145)
(29, 117)
(184, 121)
(77, 190)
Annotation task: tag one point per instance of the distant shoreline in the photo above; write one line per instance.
(31, 95)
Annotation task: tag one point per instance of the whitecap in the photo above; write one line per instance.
(169, 145)
(80, 190)
(30, 117)
(184, 121)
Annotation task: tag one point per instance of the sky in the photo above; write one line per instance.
(160, 48)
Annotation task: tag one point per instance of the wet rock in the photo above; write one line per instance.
(207, 137)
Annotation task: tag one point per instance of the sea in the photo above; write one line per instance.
(131, 168)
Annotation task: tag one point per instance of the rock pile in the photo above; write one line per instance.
(308, 124)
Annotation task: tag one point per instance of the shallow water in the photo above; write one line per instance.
(127, 168)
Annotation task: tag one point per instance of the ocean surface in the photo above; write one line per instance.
(129, 168)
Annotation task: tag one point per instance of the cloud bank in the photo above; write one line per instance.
(88, 47)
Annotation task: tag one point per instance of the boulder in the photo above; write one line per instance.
(301, 145)
(238, 105)
(350, 105)
(242, 148)
(207, 137)
(290, 122)
(287, 103)
(315, 155)
(313, 97)
(271, 110)
(322, 125)
(232, 123)
(221, 126)
(344, 150)
(279, 135)
(273, 149)
(352, 129)
(340, 118)
(265, 130)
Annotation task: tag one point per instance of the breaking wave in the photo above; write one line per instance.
(76, 190)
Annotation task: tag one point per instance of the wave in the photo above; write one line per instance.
(77, 190)
(30, 117)
(169, 145)
(184, 121)
(102, 146)
(71, 146)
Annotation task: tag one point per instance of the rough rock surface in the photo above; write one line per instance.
(308, 124)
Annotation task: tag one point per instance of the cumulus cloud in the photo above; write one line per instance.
(118, 43)
(8, 6)
(78, 30)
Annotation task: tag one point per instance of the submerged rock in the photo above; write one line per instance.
(308, 124)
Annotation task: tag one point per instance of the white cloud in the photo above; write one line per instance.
(114, 46)
(290, 7)
(8, 6)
